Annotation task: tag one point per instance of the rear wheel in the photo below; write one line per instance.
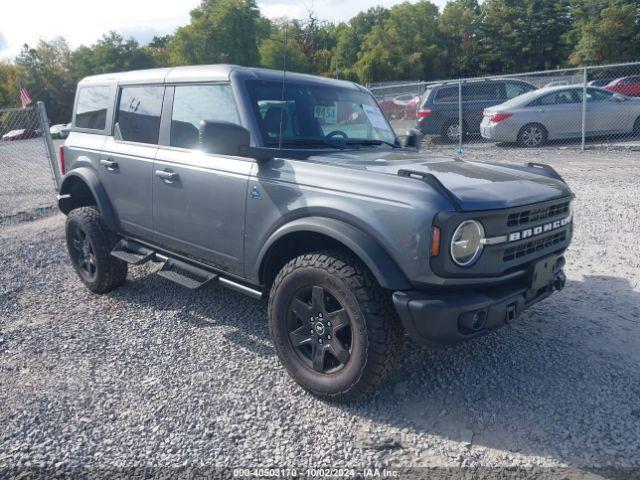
(451, 131)
(89, 242)
(333, 327)
(532, 135)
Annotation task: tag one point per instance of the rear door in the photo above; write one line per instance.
(475, 98)
(199, 198)
(444, 108)
(560, 112)
(126, 164)
(91, 124)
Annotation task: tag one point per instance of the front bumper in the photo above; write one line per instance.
(443, 318)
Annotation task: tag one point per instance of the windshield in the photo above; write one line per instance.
(312, 114)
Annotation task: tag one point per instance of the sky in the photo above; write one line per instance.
(82, 22)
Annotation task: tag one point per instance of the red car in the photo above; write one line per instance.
(402, 107)
(629, 86)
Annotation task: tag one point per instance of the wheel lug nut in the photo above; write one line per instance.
(328, 337)
(312, 331)
(319, 340)
(328, 324)
(320, 315)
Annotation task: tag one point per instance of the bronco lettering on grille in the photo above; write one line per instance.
(528, 233)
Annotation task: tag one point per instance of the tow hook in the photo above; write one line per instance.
(511, 313)
(559, 281)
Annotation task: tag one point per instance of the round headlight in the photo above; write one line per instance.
(466, 244)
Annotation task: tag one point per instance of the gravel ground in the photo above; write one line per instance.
(157, 375)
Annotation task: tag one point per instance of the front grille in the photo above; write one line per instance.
(534, 246)
(537, 214)
(509, 253)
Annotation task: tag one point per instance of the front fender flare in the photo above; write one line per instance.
(91, 180)
(372, 254)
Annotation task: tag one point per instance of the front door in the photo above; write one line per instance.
(199, 199)
(607, 113)
(560, 112)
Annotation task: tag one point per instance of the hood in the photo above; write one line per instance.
(475, 185)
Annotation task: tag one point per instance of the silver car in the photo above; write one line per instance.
(555, 113)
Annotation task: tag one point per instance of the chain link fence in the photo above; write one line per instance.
(28, 180)
(591, 107)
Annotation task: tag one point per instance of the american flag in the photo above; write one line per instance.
(24, 97)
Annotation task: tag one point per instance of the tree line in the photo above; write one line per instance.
(409, 41)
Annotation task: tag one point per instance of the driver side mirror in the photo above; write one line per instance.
(223, 138)
(412, 139)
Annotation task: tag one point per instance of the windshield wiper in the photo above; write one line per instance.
(371, 142)
(309, 141)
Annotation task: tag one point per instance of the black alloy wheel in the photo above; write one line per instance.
(333, 327)
(319, 330)
(83, 255)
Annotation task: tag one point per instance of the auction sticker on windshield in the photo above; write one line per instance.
(376, 117)
(329, 113)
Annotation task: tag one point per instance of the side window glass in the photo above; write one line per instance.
(546, 100)
(91, 111)
(447, 95)
(597, 96)
(139, 113)
(558, 98)
(193, 104)
(480, 92)
(513, 90)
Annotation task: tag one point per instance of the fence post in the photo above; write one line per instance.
(460, 129)
(584, 109)
(48, 143)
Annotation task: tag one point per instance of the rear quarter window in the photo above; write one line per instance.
(446, 95)
(480, 92)
(92, 106)
(513, 89)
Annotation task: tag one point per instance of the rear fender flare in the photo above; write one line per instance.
(91, 180)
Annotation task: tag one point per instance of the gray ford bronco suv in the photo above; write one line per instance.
(296, 187)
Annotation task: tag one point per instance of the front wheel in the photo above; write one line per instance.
(333, 327)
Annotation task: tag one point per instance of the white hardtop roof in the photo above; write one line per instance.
(204, 73)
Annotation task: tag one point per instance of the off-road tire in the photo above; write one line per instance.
(109, 272)
(376, 332)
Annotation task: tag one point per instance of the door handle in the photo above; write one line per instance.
(167, 177)
(109, 164)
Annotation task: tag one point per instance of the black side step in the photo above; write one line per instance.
(132, 252)
(185, 274)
